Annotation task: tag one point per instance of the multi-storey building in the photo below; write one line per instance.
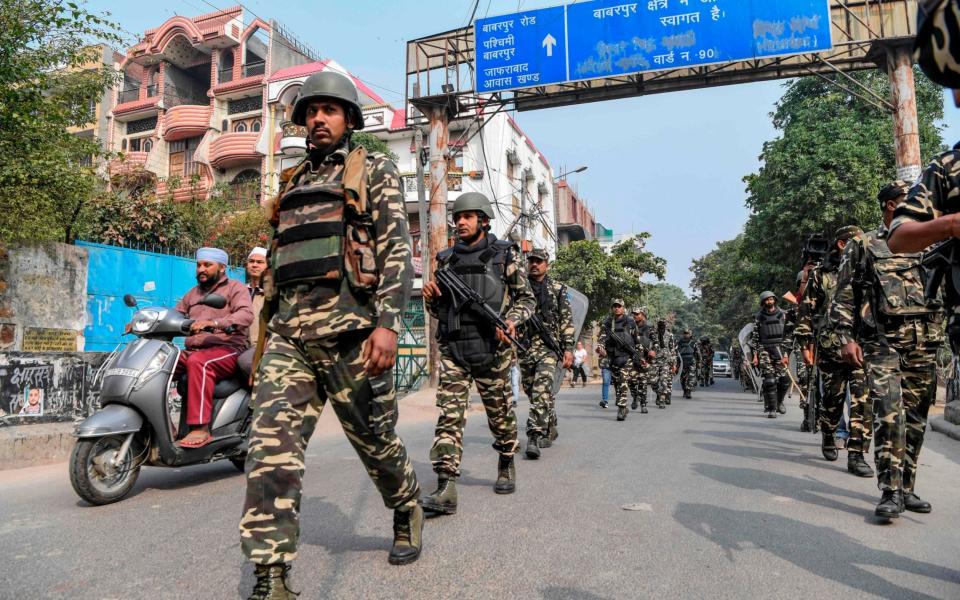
(575, 221)
(192, 107)
(98, 128)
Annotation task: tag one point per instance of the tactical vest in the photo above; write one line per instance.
(645, 333)
(899, 285)
(472, 340)
(624, 328)
(771, 328)
(324, 230)
(828, 284)
(688, 352)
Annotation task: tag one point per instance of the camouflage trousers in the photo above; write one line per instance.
(803, 377)
(771, 369)
(688, 378)
(899, 380)
(836, 377)
(706, 372)
(637, 383)
(661, 381)
(453, 396)
(620, 378)
(294, 382)
(538, 373)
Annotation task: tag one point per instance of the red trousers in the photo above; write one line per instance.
(204, 368)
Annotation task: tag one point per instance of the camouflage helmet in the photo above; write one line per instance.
(937, 45)
(639, 310)
(332, 85)
(847, 232)
(473, 201)
(765, 295)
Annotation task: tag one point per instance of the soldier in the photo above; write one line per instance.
(706, 364)
(886, 324)
(472, 348)
(643, 363)
(336, 306)
(821, 345)
(551, 346)
(620, 342)
(771, 339)
(663, 366)
(736, 359)
(689, 358)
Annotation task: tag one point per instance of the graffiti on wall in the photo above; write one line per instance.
(45, 387)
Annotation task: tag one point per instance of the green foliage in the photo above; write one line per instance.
(372, 143)
(47, 86)
(834, 153)
(670, 302)
(602, 277)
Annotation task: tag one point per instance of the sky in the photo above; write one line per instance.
(671, 164)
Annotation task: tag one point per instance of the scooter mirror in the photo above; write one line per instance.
(214, 301)
(130, 301)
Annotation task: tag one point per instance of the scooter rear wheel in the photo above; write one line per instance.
(97, 474)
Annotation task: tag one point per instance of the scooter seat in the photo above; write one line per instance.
(225, 387)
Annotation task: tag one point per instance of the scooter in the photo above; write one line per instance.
(134, 427)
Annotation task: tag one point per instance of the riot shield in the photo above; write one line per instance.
(579, 306)
(751, 371)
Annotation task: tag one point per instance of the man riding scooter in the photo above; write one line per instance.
(218, 336)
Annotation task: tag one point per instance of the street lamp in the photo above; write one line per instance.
(577, 170)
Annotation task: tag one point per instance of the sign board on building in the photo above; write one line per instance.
(588, 40)
(41, 339)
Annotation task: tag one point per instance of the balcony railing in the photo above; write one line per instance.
(225, 74)
(128, 95)
(454, 182)
(254, 68)
(175, 97)
(293, 139)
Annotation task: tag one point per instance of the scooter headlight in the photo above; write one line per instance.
(154, 366)
(144, 320)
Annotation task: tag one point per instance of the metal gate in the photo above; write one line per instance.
(411, 367)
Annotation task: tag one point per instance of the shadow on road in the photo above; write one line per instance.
(753, 436)
(761, 454)
(166, 479)
(568, 593)
(821, 551)
(808, 490)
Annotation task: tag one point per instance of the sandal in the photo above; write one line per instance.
(197, 441)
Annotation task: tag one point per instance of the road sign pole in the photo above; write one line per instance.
(438, 139)
(906, 126)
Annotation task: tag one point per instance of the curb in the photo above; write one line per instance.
(941, 425)
(34, 445)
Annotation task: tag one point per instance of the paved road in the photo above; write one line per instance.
(729, 505)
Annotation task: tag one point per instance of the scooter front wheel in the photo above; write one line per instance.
(97, 474)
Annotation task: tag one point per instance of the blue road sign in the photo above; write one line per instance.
(605, 38)
(521, 50)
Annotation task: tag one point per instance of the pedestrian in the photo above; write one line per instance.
(663, 364)
(770, 343)
(579, 365)
(473, 350)
(337, 304)
(619, 341)
(886, 323)
(549, 334)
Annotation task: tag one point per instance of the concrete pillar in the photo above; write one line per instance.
(438, 141)
(906, 126)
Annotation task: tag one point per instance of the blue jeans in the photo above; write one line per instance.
(605, 390)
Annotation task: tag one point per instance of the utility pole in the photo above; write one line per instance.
(426, 273)
(903, 96)
(439, 119)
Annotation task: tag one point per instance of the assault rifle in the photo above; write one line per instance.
(462, 295)
(941, 265)
(811, 412)
(536, 325)
(635, 352)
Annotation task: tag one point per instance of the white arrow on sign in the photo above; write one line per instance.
(549, 42)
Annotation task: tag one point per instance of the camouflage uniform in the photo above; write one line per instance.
(776, 380)
(313, 354)
(706, 364)
(688, 373)
(736, 359)
(493, 382)
(663, 364)
(837, 375)
(883, 307)
(622, 365)
(539, 365)
(644, 370)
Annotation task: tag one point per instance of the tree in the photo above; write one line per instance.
(372, 143)
(668, 301)
(50, 78)
(833, 155)
(602, 277)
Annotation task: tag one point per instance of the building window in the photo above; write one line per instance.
(255, 126)
(244, 105)
(182, 163)
(135, 144)
(141, 125)
(240, 127)
(147, 145)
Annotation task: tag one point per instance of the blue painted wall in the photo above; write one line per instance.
(153, 278)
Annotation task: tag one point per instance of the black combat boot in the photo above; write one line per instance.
(506, 476)
(633, 405)
(444, 500)
(272, 583)
(533, 446)
(603, 404)
(857, 465)
(828, 446)
(668, 400)
(407, 535)
(913, 503)
(890, 505)
(782, 388)
(622, 412)
(643, 409)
